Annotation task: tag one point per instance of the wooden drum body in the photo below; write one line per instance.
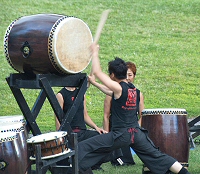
(52, 144)
(48, 43)
(11, 160)
(168, 129)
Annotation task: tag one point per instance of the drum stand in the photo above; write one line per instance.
(45, 82)
(194, 128)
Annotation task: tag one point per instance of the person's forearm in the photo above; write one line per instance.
(106, 125)
(89, 122)
(103, 88)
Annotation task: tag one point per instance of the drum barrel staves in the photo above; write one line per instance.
(168, 129)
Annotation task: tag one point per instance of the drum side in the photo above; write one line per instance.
(31, 32)
(48, 148)
(11, 155)
(170, 133)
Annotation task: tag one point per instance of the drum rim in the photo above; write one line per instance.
(9, 28)
(59, 134)
(166, 111)
(7, 136)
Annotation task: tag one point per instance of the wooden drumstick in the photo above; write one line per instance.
(102, 21)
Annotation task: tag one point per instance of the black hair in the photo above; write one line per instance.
(118, 67)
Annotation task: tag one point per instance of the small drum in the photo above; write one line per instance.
(52, 144)
(11, 158)
(168, 129)
(48, 43)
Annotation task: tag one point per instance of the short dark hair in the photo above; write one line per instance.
(118, 67)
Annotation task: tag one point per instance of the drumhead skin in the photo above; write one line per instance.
(70, 45)
(48, 43)
(9, 118)
(46, 137)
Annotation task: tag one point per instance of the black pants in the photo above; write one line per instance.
(92, 150)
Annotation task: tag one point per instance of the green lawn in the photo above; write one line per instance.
(161, 37)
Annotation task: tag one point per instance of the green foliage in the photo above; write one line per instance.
(161, 37)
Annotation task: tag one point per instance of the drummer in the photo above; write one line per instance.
(78, 124)
(127, 157)
(125, 127)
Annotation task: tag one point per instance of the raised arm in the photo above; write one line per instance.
(104, 78)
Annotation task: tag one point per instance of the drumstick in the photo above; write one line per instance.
(102, 21)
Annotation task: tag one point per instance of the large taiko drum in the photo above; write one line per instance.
(12, 124)
(168, 129)
(48, 43)
(11, 159)
(53, 144)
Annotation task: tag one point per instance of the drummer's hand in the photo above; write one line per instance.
(94, 48)
(101, 131)
(91, 79)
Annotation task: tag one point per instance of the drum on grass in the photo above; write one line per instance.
(168, 129)
(19, 129)
(11, 158)
(52, 144)
(48, 43)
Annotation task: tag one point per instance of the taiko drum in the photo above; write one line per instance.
(168, 129)
(48, 43)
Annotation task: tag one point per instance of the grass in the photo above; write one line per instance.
(161, 37)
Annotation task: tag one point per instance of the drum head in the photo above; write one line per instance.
(70, 45)
(9, 118)
(47, 137)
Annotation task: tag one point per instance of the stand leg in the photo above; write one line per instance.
(75, 156)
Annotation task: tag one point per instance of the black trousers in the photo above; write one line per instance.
(94, 149)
